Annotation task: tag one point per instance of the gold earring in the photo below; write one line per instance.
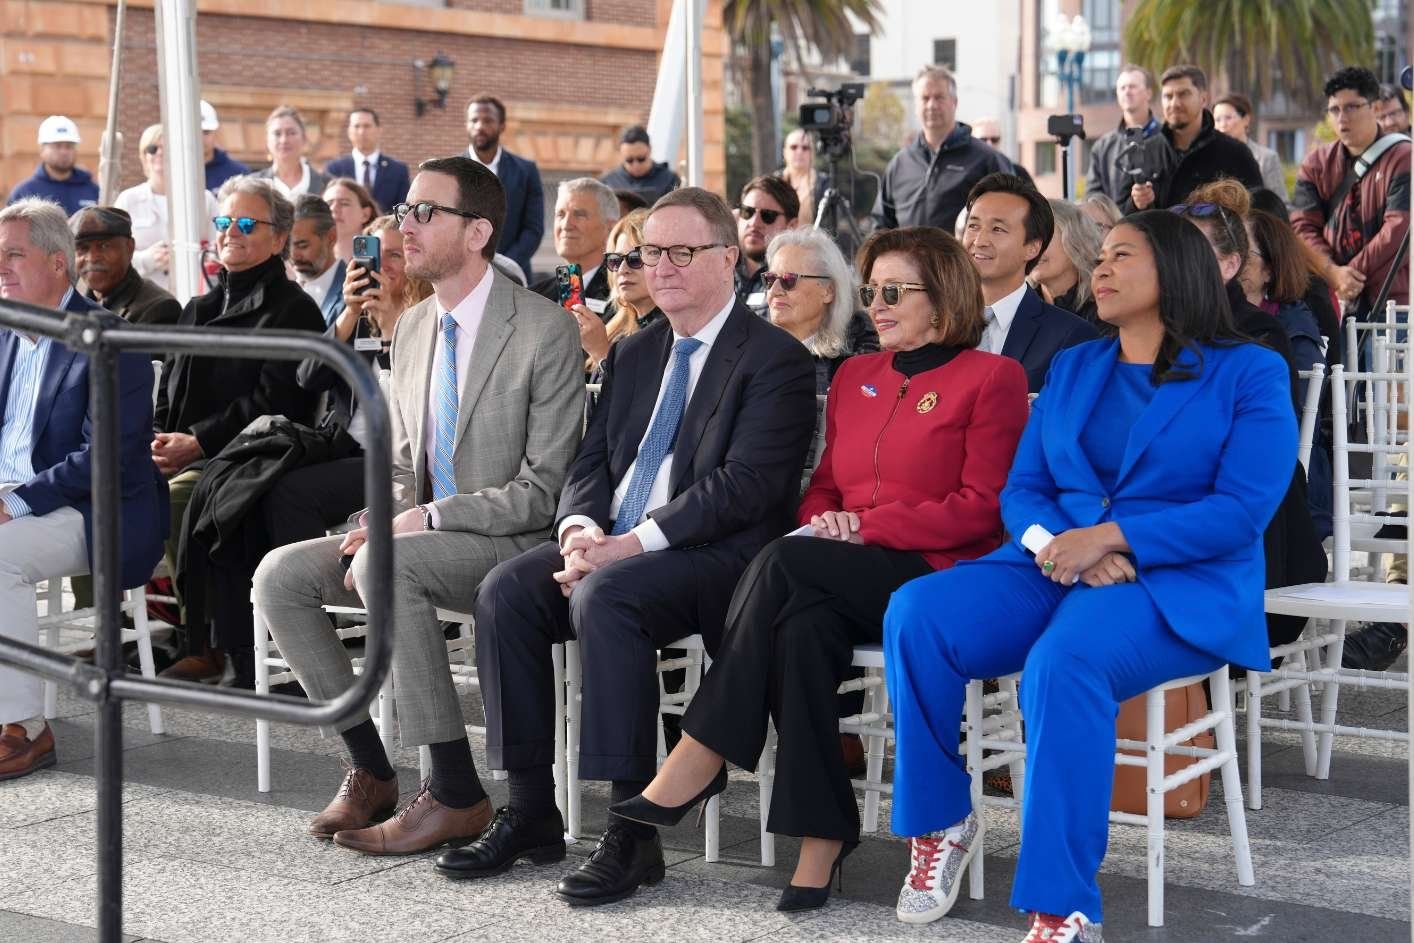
(935, 320)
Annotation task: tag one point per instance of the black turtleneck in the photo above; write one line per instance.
(240, 284)
(928, 357)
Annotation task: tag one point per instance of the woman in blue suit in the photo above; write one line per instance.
(1156, 458)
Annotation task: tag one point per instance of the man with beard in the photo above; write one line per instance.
(312, 242)
(768, 207)
(486, 404)
(56, 179)
(520, 181)
(104, 241)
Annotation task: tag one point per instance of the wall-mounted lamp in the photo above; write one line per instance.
(439, 72)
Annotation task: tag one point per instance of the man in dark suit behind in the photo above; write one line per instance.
(46, 513)
(651, 542)
(1009, 225)
(520, 178)
(382, 176)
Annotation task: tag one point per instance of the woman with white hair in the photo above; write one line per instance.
(809, 293)
(146, 203)
(1062, 274)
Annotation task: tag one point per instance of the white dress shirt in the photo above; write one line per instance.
(495, 163)
(468, 314)
(994, 337)
(299, 188)
(17, 425)
(649, 534)
(372, 160)
(318, 287)
(152, 224)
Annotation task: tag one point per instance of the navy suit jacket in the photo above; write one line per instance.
(1205, 466)
(1038, 331)
(525, 210)
(62, 440)
(390, 182)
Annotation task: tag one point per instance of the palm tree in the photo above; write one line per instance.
(822, 24)
(1254, 42)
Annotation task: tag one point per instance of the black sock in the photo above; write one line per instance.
(620, 790)
(366, 751)
(454, 782)
(533, 791)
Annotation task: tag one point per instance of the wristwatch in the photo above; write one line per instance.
(426, 516)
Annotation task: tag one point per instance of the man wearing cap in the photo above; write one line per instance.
(103, 238)
(56, 179)
(220, 166)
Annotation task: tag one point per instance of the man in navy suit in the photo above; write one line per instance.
(312, 241)
(382, 176)
(520, 178)
(1009, 225)
(46, 515)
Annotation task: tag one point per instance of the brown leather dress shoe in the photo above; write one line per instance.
(856, 763)
(362, 800)
(20, 756)
(208, 666)
(422, 825)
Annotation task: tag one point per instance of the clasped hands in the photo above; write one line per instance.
(407, 522)
(837, 525)
(1090, 555)
(586, 549)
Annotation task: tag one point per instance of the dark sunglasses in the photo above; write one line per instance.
(1206, 211)
(638, 160)
(768, 217)
(422, 212)
(152, 149)
(246, 224)
(788, 280)
(892, 292)
(613, 260)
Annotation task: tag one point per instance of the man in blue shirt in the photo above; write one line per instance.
(56, 179)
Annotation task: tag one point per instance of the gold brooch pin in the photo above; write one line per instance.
(926, 404)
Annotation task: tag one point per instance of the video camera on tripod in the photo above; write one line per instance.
(831, 120)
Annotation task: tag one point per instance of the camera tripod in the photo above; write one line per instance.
(833, 205)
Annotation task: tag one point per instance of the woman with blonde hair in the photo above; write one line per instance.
(633, 307)
(146, 203)
(286, 142)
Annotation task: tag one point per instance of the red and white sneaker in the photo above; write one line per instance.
(935, 876)
(1048, 928)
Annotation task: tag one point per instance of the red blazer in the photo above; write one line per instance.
(921, 460)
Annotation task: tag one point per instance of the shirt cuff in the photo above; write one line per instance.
(15, 505)
(435, 514)
(650, 535)
(574, 520)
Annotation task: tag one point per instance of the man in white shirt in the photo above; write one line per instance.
(690, 465)
(585, 211)
(520, 178)
(312, 242)
(487, 394)
(383, 177)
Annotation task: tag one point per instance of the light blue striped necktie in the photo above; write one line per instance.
(661, 437)
(444, 417)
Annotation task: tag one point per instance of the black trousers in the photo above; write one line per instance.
(621, 615)
(303, 505)
(798, 612)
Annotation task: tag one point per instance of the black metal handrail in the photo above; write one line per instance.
(106, 682)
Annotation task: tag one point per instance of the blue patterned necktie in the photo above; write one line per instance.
(444, 415)
(661, 436)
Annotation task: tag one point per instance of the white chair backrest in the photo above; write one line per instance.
(1384, 468)
(1314, 378)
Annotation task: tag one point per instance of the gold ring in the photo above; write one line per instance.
(1048, 567)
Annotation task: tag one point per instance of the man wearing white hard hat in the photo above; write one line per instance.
(220, 166)
(56, 178)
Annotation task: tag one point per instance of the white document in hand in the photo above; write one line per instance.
(804, 530)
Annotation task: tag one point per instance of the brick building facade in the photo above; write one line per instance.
(570, 83)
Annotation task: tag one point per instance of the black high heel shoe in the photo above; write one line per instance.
(647, 812)
(813, 898)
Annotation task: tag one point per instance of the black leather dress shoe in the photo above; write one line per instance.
(510, 837)
(618, 866)
(1375, 647)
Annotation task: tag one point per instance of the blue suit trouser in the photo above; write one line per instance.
(1081, 652)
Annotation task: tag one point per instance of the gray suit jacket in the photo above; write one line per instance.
(518, 420)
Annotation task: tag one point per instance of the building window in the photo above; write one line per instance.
(1289, 144)
(945, 53)
(859, 62)
(1045, 162)
(569, 9)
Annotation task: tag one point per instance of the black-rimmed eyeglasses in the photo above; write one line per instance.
(681, 256)
(422, 212)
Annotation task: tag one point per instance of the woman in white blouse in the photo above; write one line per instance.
(286, 141)
(146, 203)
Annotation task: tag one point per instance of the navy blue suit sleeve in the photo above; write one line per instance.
(532, 227)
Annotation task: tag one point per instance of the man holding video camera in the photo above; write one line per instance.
(926, 183)
(1134, 89)
(1188, 152)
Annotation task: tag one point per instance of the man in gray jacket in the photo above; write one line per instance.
(486, 406)
(1134, 90)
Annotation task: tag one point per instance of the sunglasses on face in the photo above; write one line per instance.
(788, 280)
(1206, 211)
(152, 149)
(768, 217)
(246, 224)
(992, 141)
(613, 260)
(422, 212)
(892, 292)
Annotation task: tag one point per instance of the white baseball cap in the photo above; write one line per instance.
(209, 121)
(57, 129)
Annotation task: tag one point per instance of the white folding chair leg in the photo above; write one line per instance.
(973, 713)
(557, 658)
(1154, 782)
(1220, 686)
(1018, 765)
(766, 775)
(878, 704)
(138, 599)
(53, 604)
(1303, 714)
(262, 686)
(1334, 653)
(574, 677)
(1254, 739)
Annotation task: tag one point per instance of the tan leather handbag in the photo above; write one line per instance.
(1183, 706)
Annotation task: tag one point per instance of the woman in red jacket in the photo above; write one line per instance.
(918, 442)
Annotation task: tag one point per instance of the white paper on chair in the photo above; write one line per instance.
(1357, 594)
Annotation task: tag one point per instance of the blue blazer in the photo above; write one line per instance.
(525, 210)
(1206, 465)
(62, 437)
(390, 183)
(1038, 331)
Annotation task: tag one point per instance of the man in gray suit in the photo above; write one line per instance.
(486, 405)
